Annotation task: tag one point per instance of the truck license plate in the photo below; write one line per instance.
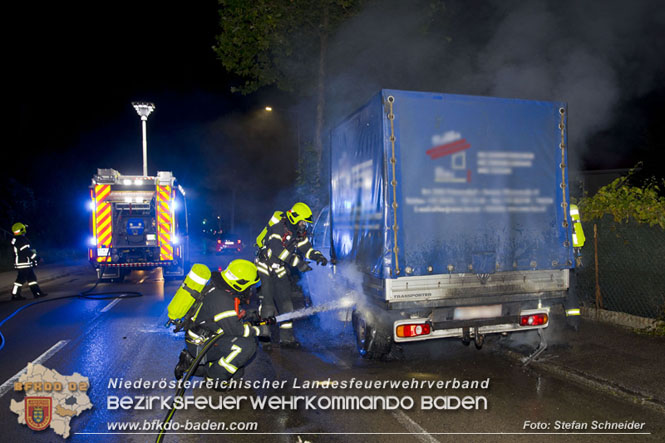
(477, 312)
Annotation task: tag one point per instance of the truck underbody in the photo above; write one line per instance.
(466, 306)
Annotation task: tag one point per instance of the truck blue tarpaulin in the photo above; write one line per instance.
(455, 211)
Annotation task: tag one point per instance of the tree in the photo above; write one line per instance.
(272, 42)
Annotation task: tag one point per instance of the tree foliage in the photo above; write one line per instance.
(276, 42)
(622, 200)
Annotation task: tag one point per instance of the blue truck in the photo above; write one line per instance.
(451, 213)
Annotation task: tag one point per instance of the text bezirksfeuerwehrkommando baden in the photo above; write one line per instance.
(329, 400)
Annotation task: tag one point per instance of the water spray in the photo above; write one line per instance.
(343, 303)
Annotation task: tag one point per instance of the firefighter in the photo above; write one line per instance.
(285, 245)
(25, 259)
(220, 313)
(572, 304)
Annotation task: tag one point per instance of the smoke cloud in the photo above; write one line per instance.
(595, 55)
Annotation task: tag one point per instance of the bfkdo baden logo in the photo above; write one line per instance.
(38, 412)
(51, 399)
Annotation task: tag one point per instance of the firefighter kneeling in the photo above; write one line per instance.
(217, 311)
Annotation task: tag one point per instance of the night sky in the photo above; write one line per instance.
(75, 67)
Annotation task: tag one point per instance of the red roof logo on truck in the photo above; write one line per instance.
(452, 144)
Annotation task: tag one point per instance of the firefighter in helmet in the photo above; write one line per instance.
(25, 259)
(284, 244)
(221, 312)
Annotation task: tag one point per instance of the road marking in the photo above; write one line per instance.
(110, 305)
(6, 386)
(414, 428)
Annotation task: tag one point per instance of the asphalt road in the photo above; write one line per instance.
(125, 339)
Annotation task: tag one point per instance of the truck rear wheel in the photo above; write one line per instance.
(372, 341)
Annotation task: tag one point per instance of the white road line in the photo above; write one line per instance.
(6, 386)
(413, 427)
(110, 305)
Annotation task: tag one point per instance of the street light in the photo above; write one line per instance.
(143, 109)
(297, 115)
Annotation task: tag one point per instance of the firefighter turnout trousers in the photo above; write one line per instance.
(26, 275)
(276, 299)
(227, 356)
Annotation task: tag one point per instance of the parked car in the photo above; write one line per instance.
(229, 243)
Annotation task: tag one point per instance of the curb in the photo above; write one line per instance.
(591, 381)
(618, 318)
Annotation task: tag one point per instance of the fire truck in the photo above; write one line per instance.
(137, 223)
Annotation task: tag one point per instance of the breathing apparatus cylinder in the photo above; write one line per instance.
(183, 299)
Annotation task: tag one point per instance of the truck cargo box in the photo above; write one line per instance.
(428, 183)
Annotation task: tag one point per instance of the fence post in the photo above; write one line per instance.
(599, 297)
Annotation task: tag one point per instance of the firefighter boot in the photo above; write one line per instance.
(184, 362)
(16, 292)
(36, 290)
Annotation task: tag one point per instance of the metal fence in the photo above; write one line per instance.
(631, 268)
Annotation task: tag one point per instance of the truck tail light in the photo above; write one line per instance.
(533, 320)
(219, 242)
(238, 241)
(413, 330)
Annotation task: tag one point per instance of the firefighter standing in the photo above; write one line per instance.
(220, 313)
(25, 259)
(285, 244)
(572, 303)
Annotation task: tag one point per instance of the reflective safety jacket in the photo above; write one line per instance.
(283, 248)
(219, 314)
(24, 257)
(578, 233)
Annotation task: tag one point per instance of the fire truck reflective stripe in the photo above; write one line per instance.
(164, 222)
(570, 312)
(225, 314)
(102, 192)
(103, 219)
(104, 237)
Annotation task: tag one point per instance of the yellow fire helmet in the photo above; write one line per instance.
(240, 274)
(299, 212)
(19, 228)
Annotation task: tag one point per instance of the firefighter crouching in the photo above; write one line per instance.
(25, 259)
(572, 303)
(218, 311)
(284, 244)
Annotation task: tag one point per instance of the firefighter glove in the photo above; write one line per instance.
(320, 259)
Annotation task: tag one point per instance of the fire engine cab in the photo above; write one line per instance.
(138, 222)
